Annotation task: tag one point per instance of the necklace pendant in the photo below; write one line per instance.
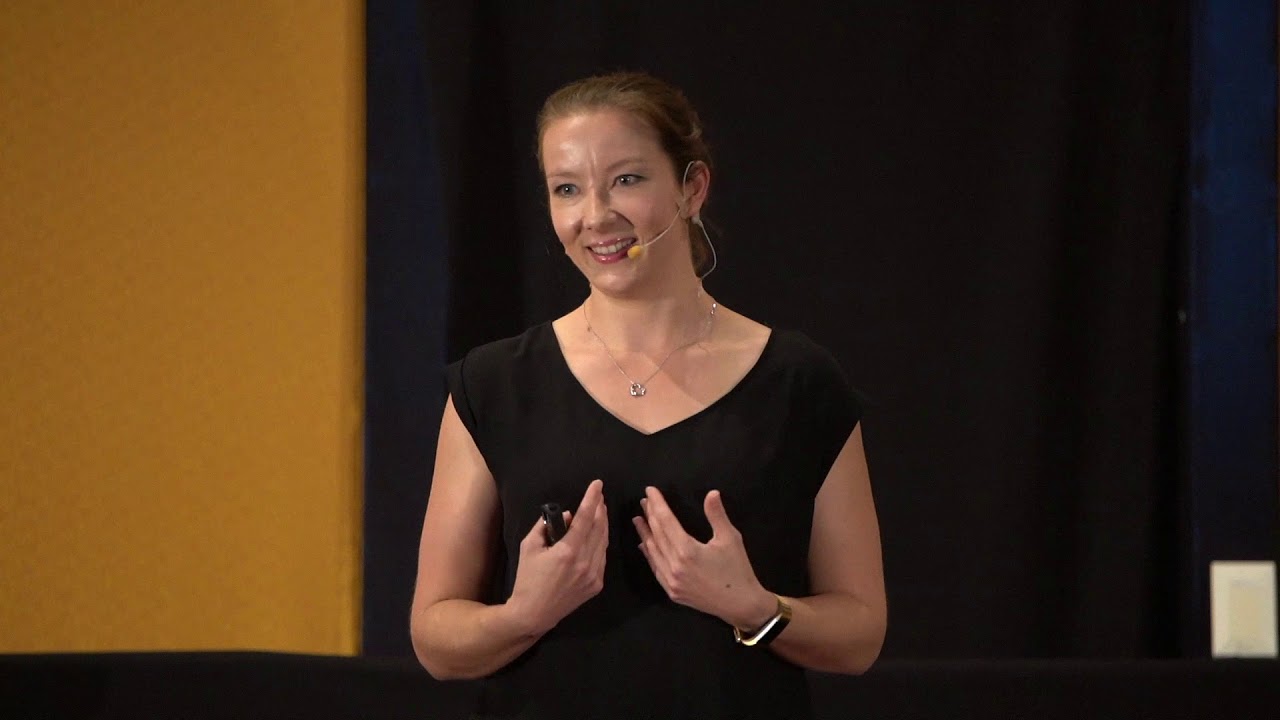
(638, 390)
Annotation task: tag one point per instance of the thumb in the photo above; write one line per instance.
(536, 537)
(713, 506)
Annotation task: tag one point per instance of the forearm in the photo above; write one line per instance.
(463, 639)
(832, 632)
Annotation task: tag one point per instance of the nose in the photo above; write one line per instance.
(597, 208)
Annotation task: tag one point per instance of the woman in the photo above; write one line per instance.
(723, 535)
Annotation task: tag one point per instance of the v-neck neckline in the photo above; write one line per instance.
(563, 363)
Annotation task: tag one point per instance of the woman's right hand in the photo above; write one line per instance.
(552, 581)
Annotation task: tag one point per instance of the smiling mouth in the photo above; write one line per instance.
(613, 248)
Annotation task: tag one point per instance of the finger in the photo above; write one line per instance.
(599, 557)
(644, 550)
(598, 540)
(713, 506)
(586, 514)
(536, 537)
(642, 528)
(651, 550)
(649, 559)
(568, 522)
(657, 537)
(667, 530)
(655, 504)
(598, 543)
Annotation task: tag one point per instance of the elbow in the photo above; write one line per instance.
(856, 662)
(437, 666)
(853, 658)
(865, 652)
(861, 661)
(444, 672)
(440, 671)
(436, 661)
(429, 658)
(426, 658)
(434, 667)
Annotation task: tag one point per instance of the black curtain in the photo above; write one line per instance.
(406, 297)
(975, 206)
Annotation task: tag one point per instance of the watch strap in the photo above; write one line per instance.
(770, 630)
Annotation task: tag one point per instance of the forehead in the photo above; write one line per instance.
(598, 136)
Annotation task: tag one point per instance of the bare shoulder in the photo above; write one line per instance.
(570, 331)
(736, 333)
(566, 325)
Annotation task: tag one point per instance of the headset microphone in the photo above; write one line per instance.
(638, 249)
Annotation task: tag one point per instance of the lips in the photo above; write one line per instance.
(612, 251)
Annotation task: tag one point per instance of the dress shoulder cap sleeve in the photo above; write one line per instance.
(455, 375)
(480, 379)
(830, 406)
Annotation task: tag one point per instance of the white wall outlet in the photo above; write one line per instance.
(1242, 606)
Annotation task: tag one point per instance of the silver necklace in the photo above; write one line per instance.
(639, 389)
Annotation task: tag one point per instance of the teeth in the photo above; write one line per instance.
(611, 249)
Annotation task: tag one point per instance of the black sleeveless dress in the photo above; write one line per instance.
(630, 652)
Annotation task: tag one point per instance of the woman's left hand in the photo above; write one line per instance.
(715, 577)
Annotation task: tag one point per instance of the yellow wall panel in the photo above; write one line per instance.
(181, 281)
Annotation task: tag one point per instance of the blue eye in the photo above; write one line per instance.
(565, 190)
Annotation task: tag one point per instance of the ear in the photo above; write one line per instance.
(696, 187)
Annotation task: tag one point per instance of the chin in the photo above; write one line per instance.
(611, 284)
(624, 279)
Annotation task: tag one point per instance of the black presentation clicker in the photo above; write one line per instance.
(553, 520)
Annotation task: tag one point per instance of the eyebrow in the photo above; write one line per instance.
(626, 161)
(612, 166)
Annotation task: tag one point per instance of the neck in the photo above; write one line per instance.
(650, 326)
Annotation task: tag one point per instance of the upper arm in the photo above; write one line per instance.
(844, 548)
(460, 529)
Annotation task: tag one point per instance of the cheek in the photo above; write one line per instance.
(645, 209)
(565, 227)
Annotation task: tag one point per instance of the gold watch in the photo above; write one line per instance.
(770, 630)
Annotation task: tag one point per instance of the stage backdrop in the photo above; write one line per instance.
(181, 269)
(976, 206)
